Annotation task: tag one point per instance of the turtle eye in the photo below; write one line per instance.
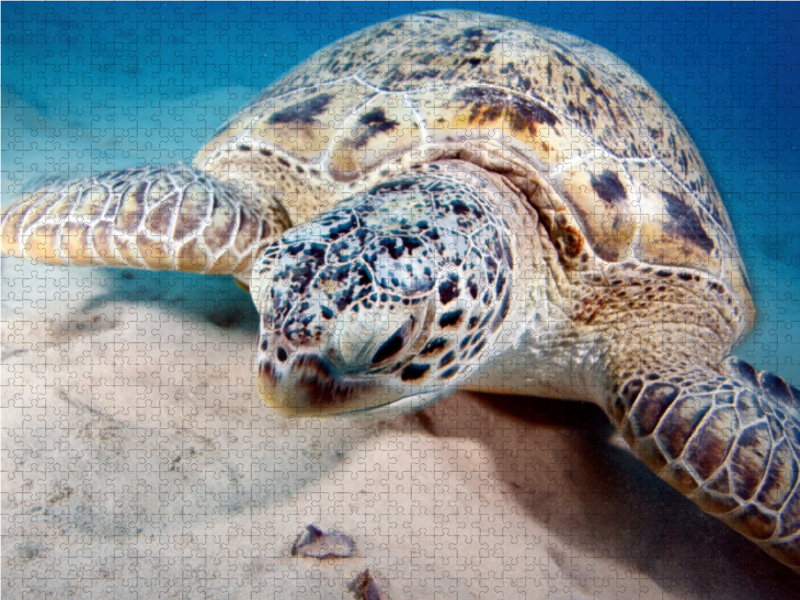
(395, 343)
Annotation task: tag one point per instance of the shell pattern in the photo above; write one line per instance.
(610, 170)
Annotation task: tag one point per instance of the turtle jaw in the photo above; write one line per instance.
(311, 385)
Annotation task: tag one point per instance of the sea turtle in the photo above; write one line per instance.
(458, 200)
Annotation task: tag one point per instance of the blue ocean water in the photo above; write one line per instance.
(89, 87)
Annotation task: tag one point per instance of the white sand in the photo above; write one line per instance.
(138, 464)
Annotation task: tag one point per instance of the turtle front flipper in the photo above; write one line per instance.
(728, 439)
(153, 218)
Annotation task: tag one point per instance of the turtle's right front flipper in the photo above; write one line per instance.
(156, 219)
(727, 437)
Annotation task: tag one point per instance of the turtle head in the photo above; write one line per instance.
(385, 302)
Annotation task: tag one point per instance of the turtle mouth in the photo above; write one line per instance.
(311, 385)
(314, 386)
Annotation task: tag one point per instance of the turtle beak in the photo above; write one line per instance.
(310, 384)
(313, 386)
(350, 365)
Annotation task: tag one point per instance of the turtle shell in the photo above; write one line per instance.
(609, 168)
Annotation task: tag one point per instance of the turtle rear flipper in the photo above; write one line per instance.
(728, 439)
(152, 218)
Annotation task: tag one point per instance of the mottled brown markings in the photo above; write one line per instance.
(750, 456)
(781, 478)
(473, 33)
(567, 237)
(655, 133)
(248, 229)
(424, 74)
(683, 162)
(754, 522)
(793, 433)
(790, 516)
(623, 402)
(721, 481)
(679, 477)
(714, 504)
(775, 427)
(589, 82)
(608, 187)
(584, 115)
(489, 104)
(187, 223)
(685, 222)
(650, 295)
(748, 408)
(650, 453)
(304, 113)
(373, 123)
(682, 303)
(679, 423)
(131, 210)
(653, 402)
(516, 79)
(786, 551)
(782, 393)
(709, 447)
(563, 59)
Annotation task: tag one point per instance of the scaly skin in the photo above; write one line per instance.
(726, 437)
(141, 218)
(392, 297)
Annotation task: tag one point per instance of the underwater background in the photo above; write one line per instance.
(91, 87)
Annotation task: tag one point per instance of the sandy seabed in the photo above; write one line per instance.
(137, 463)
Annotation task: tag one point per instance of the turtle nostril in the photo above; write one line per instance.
(281, 354)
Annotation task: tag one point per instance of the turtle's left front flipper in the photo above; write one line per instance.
(154, 218)
(727, 438)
